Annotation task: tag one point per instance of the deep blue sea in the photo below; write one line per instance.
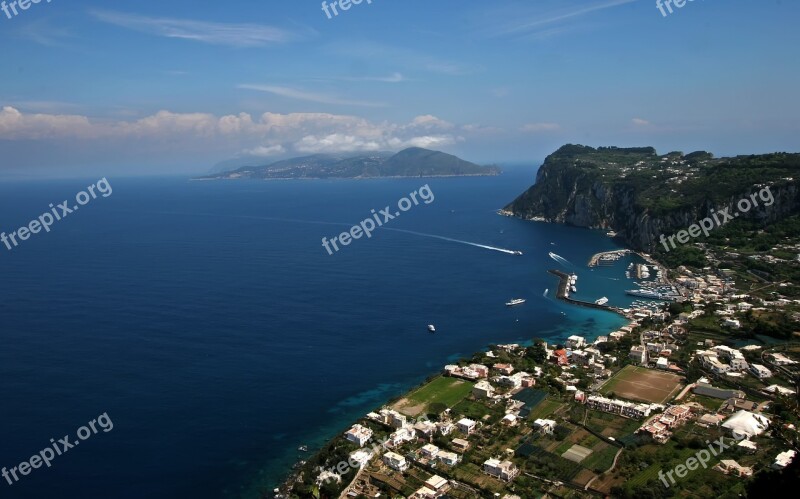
(211, 325)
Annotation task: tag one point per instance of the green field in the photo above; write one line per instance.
(642, 384)
(441, 390)
(447, 391)
(544, 409)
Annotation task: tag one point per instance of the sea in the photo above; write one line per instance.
(209, 324)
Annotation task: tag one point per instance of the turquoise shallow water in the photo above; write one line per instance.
(218, 334)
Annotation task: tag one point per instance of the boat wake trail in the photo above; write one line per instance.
(501, 250)
(545, 292)
(560, 259)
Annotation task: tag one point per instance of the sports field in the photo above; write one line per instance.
(642, 384)
(441, 390)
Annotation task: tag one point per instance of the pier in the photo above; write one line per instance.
(563, 286)
(607, 256)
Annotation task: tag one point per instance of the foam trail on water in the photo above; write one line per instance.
(560, 259)
(545, 292)
(502, 250)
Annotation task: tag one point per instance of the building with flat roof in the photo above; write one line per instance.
(395, 461)
(504, 470)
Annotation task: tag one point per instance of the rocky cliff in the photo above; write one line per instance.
(642, 195)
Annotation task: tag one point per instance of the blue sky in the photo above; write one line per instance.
(141, 87)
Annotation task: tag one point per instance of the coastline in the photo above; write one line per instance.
(286, 485)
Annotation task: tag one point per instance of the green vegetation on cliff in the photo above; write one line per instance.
(642, 195)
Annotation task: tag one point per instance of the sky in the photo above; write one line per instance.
(175, 86)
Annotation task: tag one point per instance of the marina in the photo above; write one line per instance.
(607, 257)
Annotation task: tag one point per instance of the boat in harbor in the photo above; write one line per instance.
(431, 328)
(515, 301)
(601, 301)
(573, 289)
(644, 293)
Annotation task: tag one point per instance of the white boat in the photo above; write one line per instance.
(643, 293)
(431, 328)
(602, 301)
(515, 301)
(573, 289)
(517, 252)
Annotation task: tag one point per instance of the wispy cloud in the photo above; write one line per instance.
(392, 78)
(540, 127)
(43, 32)
(640, 122)
(542, 23)
(371, 51)
(293, 93)
(232, 35)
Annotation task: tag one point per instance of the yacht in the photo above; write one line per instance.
(515, 301)
(517, 252)
(643, 293)
(602, 301)
(431, 328)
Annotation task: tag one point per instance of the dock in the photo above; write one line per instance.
(561, 294)
(607, 256)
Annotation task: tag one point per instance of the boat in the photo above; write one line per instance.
(303, 448)
(431, 328)
(517, 252)
(644, 293)
(515, 301)
(573, 289)
(602, 301)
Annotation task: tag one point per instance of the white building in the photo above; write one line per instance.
(504, 470)
(482, 390)
(784, 459)
(745, 423)
(429, 451)
(448, 458)
(358, 434)
(575, 341)
(639, 355)
(395, 461)
(362, 457)
(545, 425)
(466, 426)
(760, 371)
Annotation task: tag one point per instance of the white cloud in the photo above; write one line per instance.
(392, 78)
(265, 151)
(640, 122)
(293, 93)
(265, 135)
(540, 24)
(429, 122)
(540, 127)
(233, 35)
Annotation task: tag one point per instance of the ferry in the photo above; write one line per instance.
(431, 328)
(644, 293)
(601, 301)
(515, 301)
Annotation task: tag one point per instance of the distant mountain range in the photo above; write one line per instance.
(411, 162)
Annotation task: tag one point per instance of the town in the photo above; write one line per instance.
(609, 417)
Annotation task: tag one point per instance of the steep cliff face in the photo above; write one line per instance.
(620, 189)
